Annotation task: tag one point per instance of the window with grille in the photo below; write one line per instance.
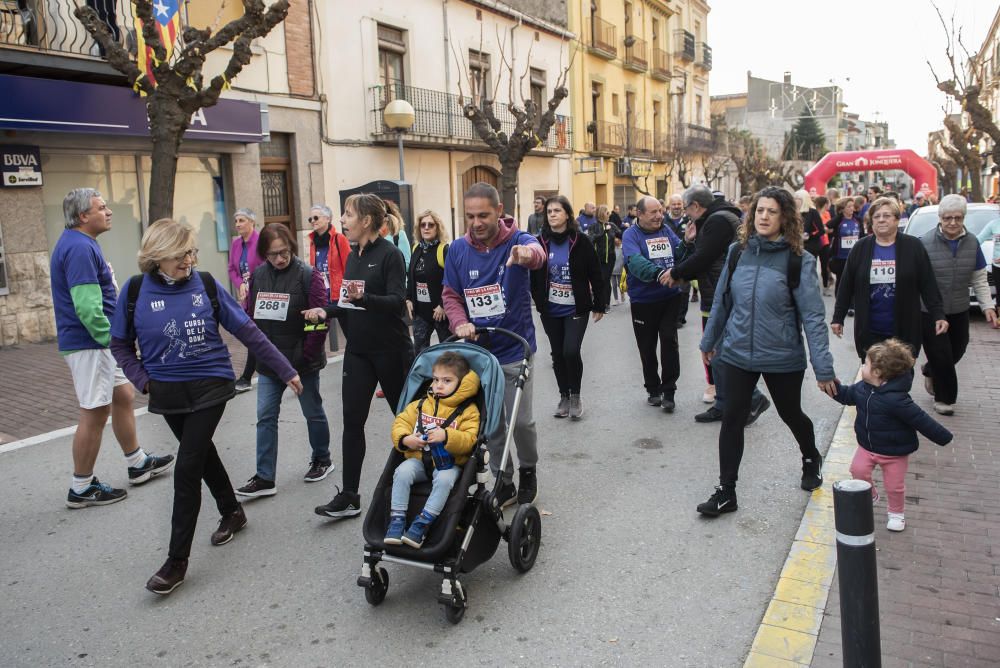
(538, 89)
(391, 51)
(479, 69)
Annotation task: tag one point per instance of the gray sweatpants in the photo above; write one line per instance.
(525, 436)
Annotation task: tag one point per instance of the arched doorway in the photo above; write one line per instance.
(480, 174)
(922, 172)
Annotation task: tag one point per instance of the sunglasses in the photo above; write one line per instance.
(313, 219)
(428, 226)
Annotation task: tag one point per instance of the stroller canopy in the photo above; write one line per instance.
(482, 362)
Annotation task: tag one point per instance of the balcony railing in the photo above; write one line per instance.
(661, 146)
(605, 137)
(685, 45)
(640, 143)
(661, 64)
(50, 26)
(441, 116)
(704, 56)
(695, 138)
(602, 37)
(636, 58)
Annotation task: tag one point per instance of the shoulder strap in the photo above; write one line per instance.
(442, 249)
(306, 275)
(213, 294)
(794, 271)
(395, 240)
(134, 285)
(734, 259)
(459, 410)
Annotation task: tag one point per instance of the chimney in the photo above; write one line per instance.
(788, 77)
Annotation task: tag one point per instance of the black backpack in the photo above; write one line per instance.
(135, 283)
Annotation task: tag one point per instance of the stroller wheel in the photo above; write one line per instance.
(525, 538)
(376, 591)
(455, 613)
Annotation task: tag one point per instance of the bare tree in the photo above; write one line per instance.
(963, 149)
(965, 85)
(180, 88)
(714, 167)
(531, 125)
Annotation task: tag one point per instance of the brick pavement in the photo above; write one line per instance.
(36, 390)
(939, 580)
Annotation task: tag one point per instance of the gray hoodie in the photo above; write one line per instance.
(755, 325)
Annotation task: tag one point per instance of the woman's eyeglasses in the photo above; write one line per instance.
(193, 254)
(428, 226)
(284, 254)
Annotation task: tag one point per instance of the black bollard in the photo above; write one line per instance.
(859, 632)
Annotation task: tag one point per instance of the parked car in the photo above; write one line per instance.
(977, 217)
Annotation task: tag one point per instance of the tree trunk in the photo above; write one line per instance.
(508, 186)
(167, 125)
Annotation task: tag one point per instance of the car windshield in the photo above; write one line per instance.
(975, 221)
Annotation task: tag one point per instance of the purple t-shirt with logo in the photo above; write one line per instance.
(883, 290)
(176, 330)
(559, 274)
(77, 260)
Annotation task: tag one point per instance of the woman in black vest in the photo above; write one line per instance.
(565, 289)
(280, 289)
(379, 350)
(426, 273)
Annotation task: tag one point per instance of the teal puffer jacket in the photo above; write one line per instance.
(755, 325)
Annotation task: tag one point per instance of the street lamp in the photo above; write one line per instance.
(399, 116)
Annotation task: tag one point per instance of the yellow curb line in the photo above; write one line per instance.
(790, 626)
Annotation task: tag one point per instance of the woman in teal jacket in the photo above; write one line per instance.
(767, 295)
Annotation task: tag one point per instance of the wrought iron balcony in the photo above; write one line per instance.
(661, 64)
(50, 26)
(636, 55)
(440, 119)
(704, 56)
(605, 138)
(603, 40)
(661, 146)
(695, 138)
(640, 143)
(684, 45)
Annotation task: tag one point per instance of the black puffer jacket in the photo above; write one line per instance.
(716, 231)
(888, 420)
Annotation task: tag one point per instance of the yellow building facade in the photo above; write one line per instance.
(640, 96)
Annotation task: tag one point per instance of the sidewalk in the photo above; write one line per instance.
(939, 580)
(36, 390)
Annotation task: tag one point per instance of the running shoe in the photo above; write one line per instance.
(758, 409)
(575, 407)
(713, 414)
(667, 403)
(345, 504)
(229, 525)
(97, 494)
(527, 485)
(317, 471)
(722, 501)
(417, 533)
(654, 399)
(896, 522)
(243, 385)
(257, 486)
(397, 525)
(150, 468)
(506, 494)
(562, 410)
(812, 474)
(169, 577)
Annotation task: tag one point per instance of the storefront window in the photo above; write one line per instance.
(114, 176)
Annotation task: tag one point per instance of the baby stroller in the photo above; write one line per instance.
(469, 529)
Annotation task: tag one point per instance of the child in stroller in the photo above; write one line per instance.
(436, 434)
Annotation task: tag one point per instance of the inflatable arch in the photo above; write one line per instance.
(922, 172)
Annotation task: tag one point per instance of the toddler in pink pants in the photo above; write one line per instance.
(888, 421)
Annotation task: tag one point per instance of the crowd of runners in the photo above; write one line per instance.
(758, 270)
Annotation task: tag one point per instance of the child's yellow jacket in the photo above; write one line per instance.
(462, 432)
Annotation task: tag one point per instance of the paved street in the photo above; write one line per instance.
(628, 573)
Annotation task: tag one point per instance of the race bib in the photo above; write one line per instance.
(271, 306)
(848, 242)
(344, 301)
(883, 272)
(659, 249)
(996, 249)
(423, 293)
(561, 293)
(485, 302)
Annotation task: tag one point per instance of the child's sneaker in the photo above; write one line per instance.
(415, 535)
(896, 522)
(397, 523)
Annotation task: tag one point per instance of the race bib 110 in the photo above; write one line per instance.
(883, 272)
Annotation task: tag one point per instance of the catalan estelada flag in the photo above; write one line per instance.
(167, 17)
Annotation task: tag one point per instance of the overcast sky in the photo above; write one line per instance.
(876, 50)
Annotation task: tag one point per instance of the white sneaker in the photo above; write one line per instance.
(896, 522)
(944, 409)
(708, 396)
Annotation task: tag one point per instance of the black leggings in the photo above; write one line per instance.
(362, 373)
(837, 267)
(250, 368)
(566, 340)
(657, 322)
(944, 351)
(786, 392)
(197, 460)
(824, 264)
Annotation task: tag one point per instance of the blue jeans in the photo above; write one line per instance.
(269, 391)
(412, 471)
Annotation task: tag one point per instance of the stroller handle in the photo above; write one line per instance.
(500, 330)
